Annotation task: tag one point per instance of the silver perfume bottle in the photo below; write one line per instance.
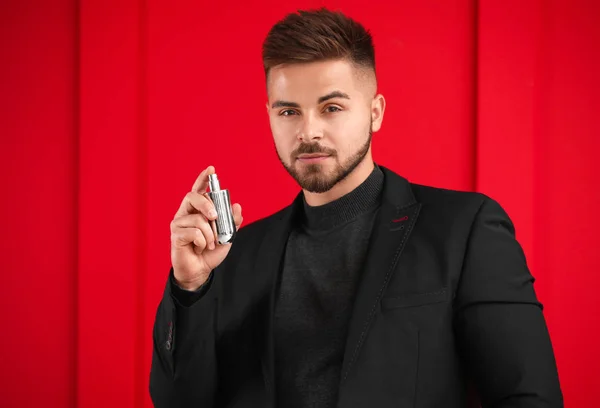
(225, 225)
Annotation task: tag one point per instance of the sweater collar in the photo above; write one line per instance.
(344, 209)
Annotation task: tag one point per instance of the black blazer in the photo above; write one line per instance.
(446, 305)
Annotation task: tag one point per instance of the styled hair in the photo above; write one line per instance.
(317, 35)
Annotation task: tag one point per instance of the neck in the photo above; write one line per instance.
(353, 180)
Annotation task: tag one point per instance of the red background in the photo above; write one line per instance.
(109, 109)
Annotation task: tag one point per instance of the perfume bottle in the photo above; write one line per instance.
(225, 225)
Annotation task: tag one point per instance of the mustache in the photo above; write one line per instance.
(311, 148)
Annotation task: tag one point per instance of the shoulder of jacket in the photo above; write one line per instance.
(449, 200)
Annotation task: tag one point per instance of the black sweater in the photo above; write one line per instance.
(322, 268)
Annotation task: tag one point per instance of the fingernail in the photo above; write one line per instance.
(212, 245)
(212, 213)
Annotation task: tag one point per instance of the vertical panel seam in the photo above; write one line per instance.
(475, 147)
(77, 198)
(142, 173)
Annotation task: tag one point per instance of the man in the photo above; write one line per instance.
(368, 290)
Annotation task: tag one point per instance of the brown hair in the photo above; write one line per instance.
(317, 35)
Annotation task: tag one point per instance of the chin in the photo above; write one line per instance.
(311, 167)
(317, 182)
(313, 177)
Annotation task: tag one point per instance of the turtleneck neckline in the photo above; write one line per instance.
(363, 198)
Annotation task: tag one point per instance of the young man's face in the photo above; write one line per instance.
(322, 116)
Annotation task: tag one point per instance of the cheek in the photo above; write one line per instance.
(283, 132)
(284, 127)
(349, 134)
(283, 142)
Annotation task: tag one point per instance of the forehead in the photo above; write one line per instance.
(307, 82)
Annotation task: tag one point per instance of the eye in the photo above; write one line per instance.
(287, 112)
(332, 108)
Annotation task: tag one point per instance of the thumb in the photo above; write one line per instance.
(237, 214)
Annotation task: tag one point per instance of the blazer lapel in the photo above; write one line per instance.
(397, 216)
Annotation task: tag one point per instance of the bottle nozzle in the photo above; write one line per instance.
(224, 223)
(213, 182)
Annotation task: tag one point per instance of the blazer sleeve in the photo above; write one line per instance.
(184, 363)
(501, 331)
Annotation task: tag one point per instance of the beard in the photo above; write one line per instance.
(312, 178)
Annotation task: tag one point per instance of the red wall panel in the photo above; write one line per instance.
(508, 40)
(111, 203)
(566, 191)
(38, 208)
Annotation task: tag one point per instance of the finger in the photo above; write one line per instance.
(237, 218)
(201, 182)
(199, 240)
(237, 214)
(194, 202)
(186, 236)
(213, 226)
(197, 221)
(188, 221)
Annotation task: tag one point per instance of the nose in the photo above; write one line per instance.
(310, 129)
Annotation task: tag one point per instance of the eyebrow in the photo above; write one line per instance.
(331, 95)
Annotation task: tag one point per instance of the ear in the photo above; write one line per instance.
(377, 111)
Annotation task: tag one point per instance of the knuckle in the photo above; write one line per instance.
(192, 198)
(210, 239)
(200, 241)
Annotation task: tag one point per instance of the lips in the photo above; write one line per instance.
(312, 156)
